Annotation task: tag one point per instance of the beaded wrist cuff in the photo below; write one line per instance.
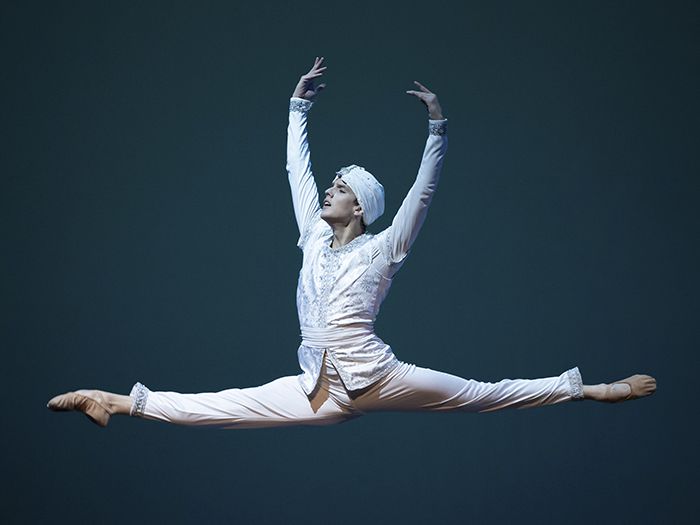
(437, 127)
(300, 105)
(139, 396)
(576, 383)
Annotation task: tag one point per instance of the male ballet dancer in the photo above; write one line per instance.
(346, 274)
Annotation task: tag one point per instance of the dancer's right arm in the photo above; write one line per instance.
(301, 180)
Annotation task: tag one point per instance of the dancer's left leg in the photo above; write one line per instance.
(412, 388)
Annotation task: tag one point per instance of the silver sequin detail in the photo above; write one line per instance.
(576, 383)
(139, 395)
(313, 307)
(385, 247)
(302, 106)
(438, 127)
(357, 241)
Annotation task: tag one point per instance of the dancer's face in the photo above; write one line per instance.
(340, 203)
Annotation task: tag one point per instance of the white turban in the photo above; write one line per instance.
(367, 189)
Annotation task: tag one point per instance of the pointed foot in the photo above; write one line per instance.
(89, 402)
(633, 387)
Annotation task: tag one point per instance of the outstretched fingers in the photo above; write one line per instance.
(305, 87)
(317, 69)
(422, 87)
(424, 94)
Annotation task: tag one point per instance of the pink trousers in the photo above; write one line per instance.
(407, 387)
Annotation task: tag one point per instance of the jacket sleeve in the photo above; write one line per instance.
(400, 236)
(301, 180)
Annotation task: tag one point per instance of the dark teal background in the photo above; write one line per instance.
(148, 234)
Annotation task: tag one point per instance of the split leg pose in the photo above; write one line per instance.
(347, 370)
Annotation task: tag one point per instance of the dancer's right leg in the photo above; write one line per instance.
(281, 402)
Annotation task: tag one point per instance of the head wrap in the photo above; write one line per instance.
(367, 189)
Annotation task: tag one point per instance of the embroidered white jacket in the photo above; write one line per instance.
(340, 290)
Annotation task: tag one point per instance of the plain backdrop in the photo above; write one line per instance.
(148, 235)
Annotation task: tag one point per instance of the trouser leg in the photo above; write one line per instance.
(281, 402)
(413, 388)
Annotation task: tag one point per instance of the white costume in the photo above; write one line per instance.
(347, 369)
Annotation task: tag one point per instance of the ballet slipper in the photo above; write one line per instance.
(640, 386)
(94, 409)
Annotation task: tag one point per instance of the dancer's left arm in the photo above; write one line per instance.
(409, 219)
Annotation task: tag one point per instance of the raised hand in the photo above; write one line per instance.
(430, 100)
(305, 88)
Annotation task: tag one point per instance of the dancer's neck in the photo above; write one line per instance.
(345, 233)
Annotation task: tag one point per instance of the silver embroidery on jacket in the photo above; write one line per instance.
(316, 302)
